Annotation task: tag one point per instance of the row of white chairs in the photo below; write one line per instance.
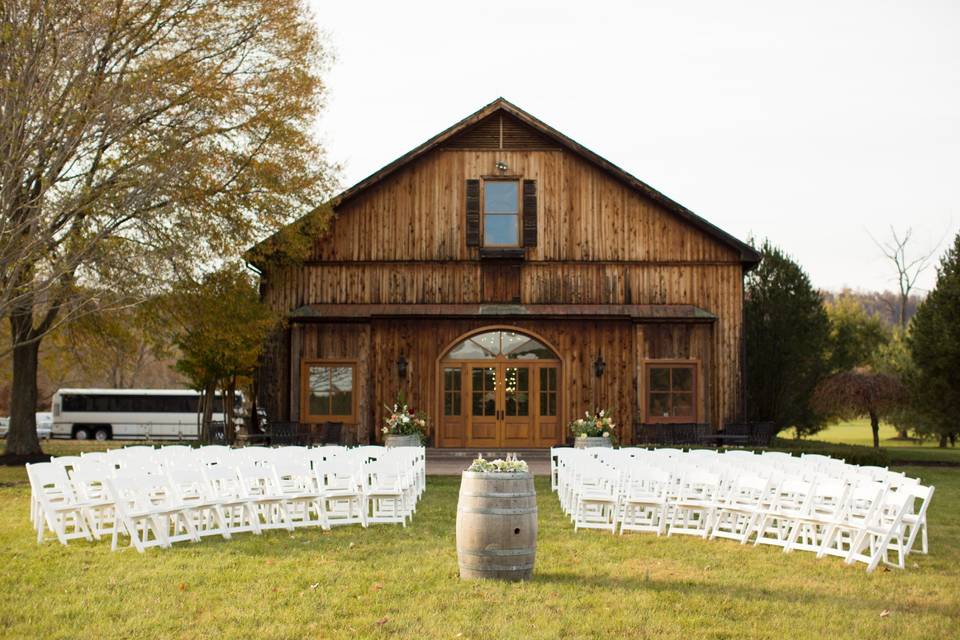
(812, 503)
(159, 496)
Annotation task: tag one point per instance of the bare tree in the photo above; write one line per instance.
(141, 140)
(908, 269)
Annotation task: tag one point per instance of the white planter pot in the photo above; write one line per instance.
(401, 441)
(586, 443)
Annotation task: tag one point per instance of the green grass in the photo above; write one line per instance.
(857, 432)
(393, 582)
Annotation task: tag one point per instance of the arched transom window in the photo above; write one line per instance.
(501, 344)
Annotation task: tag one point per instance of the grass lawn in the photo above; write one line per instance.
(388, 581)
(904, 451)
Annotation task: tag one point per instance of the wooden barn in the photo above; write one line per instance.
(507, 279)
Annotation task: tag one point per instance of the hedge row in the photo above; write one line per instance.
(853, 454)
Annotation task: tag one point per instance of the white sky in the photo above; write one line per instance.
(810, 123)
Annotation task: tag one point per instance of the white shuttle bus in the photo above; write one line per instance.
(129, 414)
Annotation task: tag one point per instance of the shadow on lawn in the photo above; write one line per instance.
(740, 592)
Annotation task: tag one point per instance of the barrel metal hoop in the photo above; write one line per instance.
(528, 551)
(530, 494)
(498, 512)
(498, 567)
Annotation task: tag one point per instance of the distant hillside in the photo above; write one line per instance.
(883, 305)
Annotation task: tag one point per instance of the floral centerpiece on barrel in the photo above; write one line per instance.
(593, 430)
(404, 427)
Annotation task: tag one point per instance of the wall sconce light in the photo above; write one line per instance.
(501, 166)
(599, 365)
(402, 366)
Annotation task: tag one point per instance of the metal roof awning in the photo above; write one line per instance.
(634, 312)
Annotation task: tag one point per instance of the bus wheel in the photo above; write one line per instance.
(102, 434)
(81, 434)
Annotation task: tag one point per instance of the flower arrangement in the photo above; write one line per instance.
(404, 421)
(598, 425)
(510, 465)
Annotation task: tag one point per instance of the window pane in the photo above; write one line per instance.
(683, 405)
(469, 350)
(319, 390)
(659, 379)
(683, 379)
(529, 349)
(341, 403)
(500, 196)
(660, 404)
(484, 396)
(451, 392)
(500, 230)
(517, 390)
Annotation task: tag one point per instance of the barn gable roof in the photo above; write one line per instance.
(460, 133)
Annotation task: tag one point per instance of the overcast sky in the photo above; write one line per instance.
(811, 123)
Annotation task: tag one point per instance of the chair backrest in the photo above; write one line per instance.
(338, 475)
(223, 481)
(49, 481)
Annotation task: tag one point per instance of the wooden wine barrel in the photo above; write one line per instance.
(496, 526)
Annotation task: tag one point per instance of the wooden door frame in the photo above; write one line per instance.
(441, 361)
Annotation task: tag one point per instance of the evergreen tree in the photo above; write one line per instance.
(786, 336)
(855, 335)
(934, 342)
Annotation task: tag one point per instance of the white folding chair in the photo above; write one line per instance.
(146, 512)
(740, 507)
(645, 500)
(259, 485)
(303, 495)
(240, 512)
(597, 498)
(342, 488)
(384, 493)
(693, 509)
(58, 507)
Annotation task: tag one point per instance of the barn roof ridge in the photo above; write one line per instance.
(748, 254)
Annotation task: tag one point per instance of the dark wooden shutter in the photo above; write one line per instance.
(529, 213)
(473, 213)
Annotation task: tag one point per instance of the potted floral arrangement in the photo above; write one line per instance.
(404, 427)
(594, 430)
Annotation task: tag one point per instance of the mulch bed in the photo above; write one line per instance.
(10, 460)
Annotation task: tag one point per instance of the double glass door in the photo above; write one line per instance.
(505, 404)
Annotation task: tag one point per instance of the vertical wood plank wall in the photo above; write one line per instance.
(600, 242)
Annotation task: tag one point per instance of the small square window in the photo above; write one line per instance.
(671, 392)
(328, 391)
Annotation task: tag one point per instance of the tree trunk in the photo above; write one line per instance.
(229, 400)
(209, 394)
(943, 441)
(875, 425)
(22, 435)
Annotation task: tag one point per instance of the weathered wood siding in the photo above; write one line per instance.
(403, 241)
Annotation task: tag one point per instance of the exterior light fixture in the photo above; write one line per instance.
(402, 366)
(599, 365)
(501, 166)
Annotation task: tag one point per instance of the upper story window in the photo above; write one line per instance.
(501, 213)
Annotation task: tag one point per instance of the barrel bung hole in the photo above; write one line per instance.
(516, 531)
